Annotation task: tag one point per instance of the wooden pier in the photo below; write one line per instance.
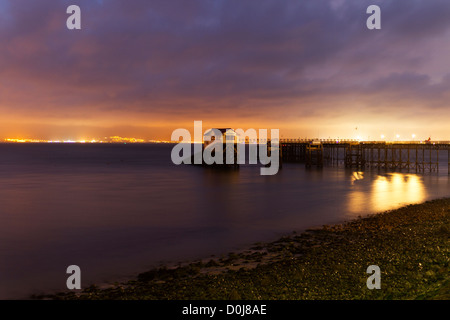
(411, 156)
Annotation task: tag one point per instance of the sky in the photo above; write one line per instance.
(144, 68)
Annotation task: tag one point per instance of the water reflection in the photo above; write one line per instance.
(357, 176)
(384, 192)
(397, 189)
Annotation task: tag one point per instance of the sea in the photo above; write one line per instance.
(116, 210)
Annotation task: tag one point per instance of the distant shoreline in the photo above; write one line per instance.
(84, 143)
(410, 245)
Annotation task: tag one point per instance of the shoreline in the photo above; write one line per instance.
(411, 245)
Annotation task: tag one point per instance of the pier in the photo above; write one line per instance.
(412, 156)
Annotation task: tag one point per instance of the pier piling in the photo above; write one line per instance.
(411, 156)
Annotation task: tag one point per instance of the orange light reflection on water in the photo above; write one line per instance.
(385, 192)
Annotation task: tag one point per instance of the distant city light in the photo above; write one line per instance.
(113, 139)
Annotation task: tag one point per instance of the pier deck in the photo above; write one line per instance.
(414, 156)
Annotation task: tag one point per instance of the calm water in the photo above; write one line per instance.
(115, 210)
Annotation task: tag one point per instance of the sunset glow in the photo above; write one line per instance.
(313, 74)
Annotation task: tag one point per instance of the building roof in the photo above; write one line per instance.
(222, 130)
